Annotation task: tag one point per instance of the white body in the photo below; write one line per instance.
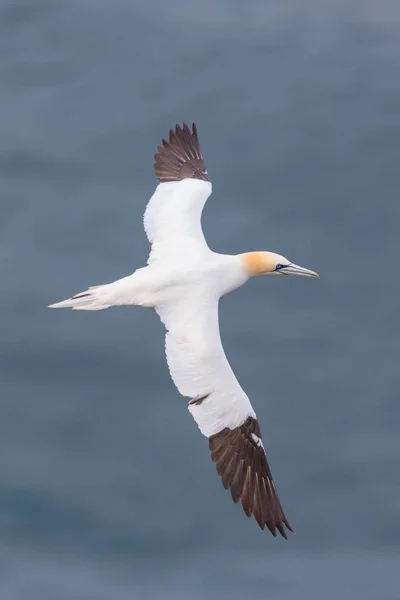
(183, 282)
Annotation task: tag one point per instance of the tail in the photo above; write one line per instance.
(95, 298)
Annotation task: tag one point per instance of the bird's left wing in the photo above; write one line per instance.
(172, 220)
(222, 410)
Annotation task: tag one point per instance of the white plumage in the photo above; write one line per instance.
(172, 218)
(183, 282)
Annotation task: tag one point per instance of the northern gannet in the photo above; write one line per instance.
(183, 282)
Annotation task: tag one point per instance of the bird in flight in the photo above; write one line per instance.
(183, 282)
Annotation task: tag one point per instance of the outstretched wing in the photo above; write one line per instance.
(222, 410)
(172, 220)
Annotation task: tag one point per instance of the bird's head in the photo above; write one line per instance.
(269, 263)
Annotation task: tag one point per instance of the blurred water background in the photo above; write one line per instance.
(107, 490)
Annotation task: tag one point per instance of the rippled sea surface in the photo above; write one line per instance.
(107, 490)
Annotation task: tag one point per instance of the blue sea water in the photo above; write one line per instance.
(107, 490)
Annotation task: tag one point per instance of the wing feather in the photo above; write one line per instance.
(172, 219)
(220, 407)
(198, 365)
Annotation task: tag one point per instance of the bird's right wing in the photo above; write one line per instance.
(172, 220)
(222, 410)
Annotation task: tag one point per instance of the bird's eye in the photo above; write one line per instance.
(279, 266)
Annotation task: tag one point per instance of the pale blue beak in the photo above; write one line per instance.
(292, 269)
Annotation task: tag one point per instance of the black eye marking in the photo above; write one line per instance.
(279, 266)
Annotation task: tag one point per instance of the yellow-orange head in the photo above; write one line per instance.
(269, 263)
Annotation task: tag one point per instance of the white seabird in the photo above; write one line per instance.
(183, 282)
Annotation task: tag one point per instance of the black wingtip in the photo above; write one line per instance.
(180, 157)
(242, 464)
